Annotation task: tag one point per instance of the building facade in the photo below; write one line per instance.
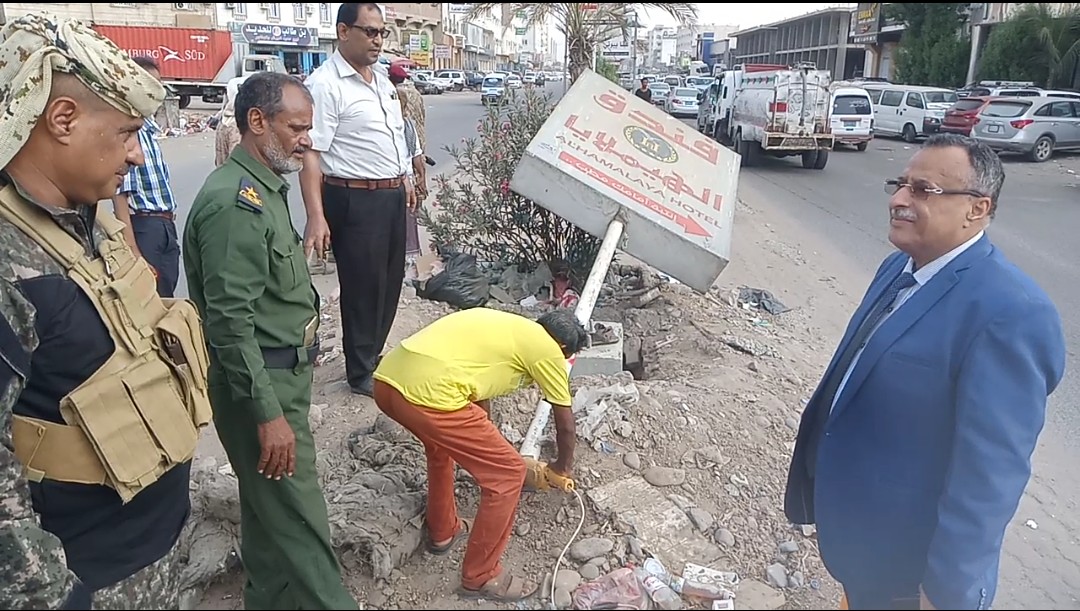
(820, 37)
(476, 37)
(663, 47)
(302, 34)
(415, 31)
(879, 36)
(688, 38)
(157, 14)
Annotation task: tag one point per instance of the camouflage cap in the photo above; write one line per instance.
(33, 47)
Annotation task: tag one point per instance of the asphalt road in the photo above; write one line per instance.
(1035, 227)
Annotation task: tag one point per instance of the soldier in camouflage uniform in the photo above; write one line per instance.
(73, 104)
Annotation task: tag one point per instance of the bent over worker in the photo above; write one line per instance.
(102, 382)
(438, 384)
(247, 272)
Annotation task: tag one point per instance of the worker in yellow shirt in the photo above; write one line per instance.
(438, 383)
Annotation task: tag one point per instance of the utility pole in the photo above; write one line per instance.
(633, 50)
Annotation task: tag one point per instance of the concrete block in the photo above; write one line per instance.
(605, 154)
(606, 359)
(663, 529)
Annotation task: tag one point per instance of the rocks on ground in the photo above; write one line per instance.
(703, 428)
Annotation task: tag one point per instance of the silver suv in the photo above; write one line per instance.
(1034, 126)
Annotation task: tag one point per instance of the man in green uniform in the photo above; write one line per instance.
(248, 276)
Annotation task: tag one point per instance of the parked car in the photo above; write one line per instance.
(456, 78)
(474, 79)
(683, 102)
(1036, 127)
(963, 115)
(424, 84)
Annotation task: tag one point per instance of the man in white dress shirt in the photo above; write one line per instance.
(356, 186)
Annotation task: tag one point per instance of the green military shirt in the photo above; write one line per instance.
(247, 274)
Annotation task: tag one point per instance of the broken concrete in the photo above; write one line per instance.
(663, 528)
(601, 359)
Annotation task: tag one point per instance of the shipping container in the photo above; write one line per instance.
(183, 54)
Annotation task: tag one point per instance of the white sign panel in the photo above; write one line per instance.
(460, 9)
(615, 49)
(604, 153)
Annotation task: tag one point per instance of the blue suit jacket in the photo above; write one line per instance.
(922, 462)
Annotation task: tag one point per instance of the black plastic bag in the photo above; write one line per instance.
(460, 283)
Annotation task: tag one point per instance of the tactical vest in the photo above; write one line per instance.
(140, 413)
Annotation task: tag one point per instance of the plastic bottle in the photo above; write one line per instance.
(664, 597)
(704, 591)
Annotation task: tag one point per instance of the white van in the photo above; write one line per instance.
(852, 117)
(909, 110)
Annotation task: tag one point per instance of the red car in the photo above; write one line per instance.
(964, 114)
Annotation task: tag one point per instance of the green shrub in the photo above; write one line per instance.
(476, 212)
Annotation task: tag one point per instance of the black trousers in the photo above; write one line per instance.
(158, 242)
(367, 232)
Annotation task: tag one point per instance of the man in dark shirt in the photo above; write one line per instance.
(644, 92)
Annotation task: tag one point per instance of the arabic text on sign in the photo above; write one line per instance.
(689, 225)
(616, 103)
(673, 182)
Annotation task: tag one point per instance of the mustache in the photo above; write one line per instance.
(903, 214)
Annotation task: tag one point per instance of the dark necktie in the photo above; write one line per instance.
(858, 341)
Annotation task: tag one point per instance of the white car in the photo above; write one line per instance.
(455, 77)
(514, 82)
(443, 84)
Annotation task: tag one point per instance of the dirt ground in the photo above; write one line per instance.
(719, 402)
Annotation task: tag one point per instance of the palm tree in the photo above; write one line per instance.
(586, 25)
(1057, 36)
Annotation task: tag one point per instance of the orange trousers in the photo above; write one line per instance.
(469, 438)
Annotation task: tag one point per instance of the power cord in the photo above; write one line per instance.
(577, 531)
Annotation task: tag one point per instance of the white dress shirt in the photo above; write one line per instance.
(358, 127)
(922, 276)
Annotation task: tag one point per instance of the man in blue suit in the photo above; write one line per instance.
(915, 449)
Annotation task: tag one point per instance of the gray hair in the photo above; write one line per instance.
(564, 327)
(987, 173)
(263, 90)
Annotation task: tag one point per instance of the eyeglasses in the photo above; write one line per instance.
(923, 190)
(372, 32)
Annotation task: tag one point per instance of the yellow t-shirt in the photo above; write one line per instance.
(476, 354)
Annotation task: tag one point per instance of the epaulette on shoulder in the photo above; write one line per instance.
(249, 197)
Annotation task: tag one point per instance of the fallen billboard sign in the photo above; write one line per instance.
(605, 154)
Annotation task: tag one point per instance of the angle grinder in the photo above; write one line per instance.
(540, 477)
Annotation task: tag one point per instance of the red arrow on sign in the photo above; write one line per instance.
(689, 225)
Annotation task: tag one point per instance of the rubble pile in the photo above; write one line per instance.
(375, 492)
(705, 432)
(682, 464)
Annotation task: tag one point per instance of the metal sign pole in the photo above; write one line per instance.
(530, 446)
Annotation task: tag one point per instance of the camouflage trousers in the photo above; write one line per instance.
(155, 587)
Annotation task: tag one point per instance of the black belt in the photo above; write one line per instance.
(169, 216)
(287, 358)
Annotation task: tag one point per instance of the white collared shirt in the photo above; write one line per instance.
(358, 126)
(922, 277)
